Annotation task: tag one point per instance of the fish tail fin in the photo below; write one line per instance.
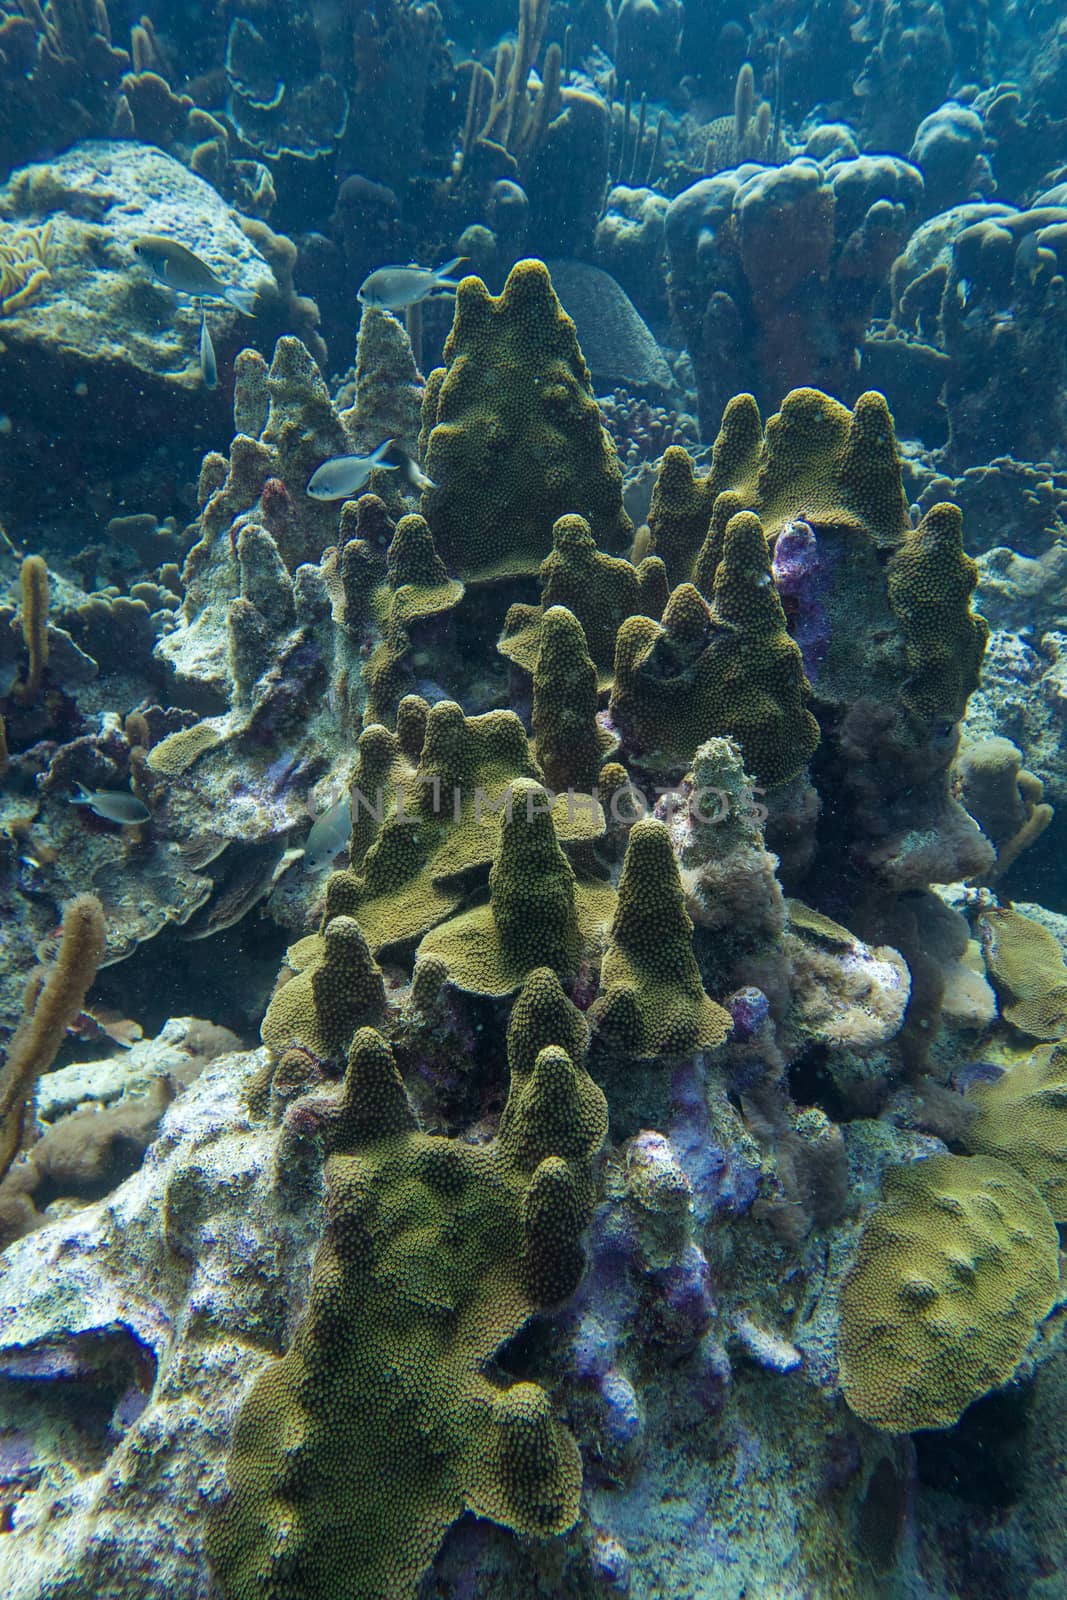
(242, 300)
(449, 267)
(377, 454)
(80, 796)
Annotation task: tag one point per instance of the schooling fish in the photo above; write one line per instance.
(329, 835)
(185, 273)
(394, 288)
(344, 476)
(114, 805)
(208, 367)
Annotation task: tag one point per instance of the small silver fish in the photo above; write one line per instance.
(416, 477)
(208, 366)
(185, 273)
(329, 835)
(344, 476)
(394, 288)
(114, 805)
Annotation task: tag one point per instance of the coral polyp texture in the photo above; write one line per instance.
(513, 407)
(653, 1001)
(956, 1266)
(355, 1453)
(1022, 1120)
(731, 669)
(539, 914)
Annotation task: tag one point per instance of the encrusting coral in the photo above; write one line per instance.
(1022, 1120)
(1026, 964)
(355, 1453)
(511, 434)
(653, 1002)
(957, 1265)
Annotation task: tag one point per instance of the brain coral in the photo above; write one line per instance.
(956, 1266)
(1022, 1119)
(513, 437)
(653, 1002)
(355, 1452)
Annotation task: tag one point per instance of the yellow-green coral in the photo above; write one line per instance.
(653, 1002)
(337, 988)
(815, 460)
(543, 1015)
(930, 582)
(1022, 1119)
(956, 1266)
(600, 590)
(439, 819)
(539, 914)
(417, 589)
(733, 671)
(570, 744)
(513, 435)
(1026, 964)
(355, 1453)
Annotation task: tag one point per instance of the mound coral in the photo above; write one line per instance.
(511, 434)
(956, 1266)
(930, 582)
(417, 590)
(569, 743)
(426, 814)
(774, 271)
(336, 988)
(653, 1002)
(815, 461)
(1022, 1120)
(354, 1454)
(1026, 964)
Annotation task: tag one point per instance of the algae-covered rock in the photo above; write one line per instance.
(99, 328)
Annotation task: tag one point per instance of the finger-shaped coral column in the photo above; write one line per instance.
(653, 1002)
(512, 437)
(355, 1453)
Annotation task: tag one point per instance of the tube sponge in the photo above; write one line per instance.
(54, 997)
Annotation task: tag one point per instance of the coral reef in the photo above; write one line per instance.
(955, 1267)
(513, 405)
(774, 271)
(433, 1254)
